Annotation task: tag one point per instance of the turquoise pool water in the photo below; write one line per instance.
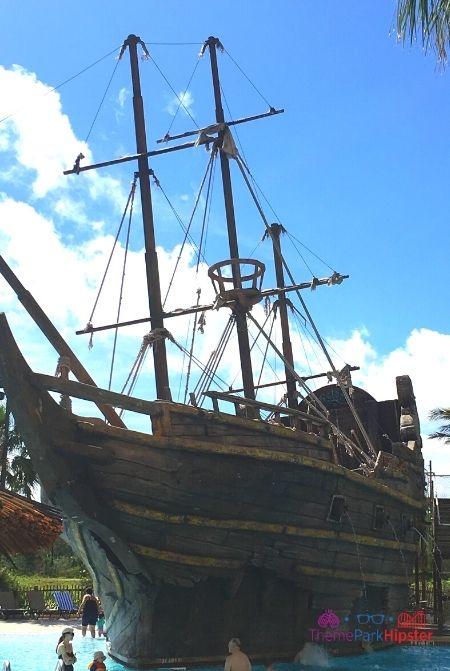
(36, 652)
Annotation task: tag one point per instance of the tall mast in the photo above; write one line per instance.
(275, 232)
(239, 311)
(151, 258)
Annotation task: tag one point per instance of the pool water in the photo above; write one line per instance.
(36, 652)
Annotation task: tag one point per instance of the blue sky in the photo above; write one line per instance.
(357, 168)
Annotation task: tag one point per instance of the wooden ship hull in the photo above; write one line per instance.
(215, 525)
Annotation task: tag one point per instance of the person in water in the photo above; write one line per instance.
(64, 649)
(101, 623)
(99, 662)
(89, 608)
(236, 660)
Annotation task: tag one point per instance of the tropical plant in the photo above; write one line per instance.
(427, 19)
(16, 470)
(441, 415)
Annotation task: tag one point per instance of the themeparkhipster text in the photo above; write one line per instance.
(410, 628)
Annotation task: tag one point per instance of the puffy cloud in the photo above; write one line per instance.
(183, 101)
(41, 143)
(425, 357)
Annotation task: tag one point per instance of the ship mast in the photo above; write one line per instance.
(291, 388)
(151, 257)
(240, 312)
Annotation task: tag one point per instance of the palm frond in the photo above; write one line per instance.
(443, 432)
(427, 19)
(442, 414)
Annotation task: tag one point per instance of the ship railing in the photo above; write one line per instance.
(296, 418)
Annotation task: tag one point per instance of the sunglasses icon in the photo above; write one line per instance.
(366, 618)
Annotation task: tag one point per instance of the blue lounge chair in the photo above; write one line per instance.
(64, 602)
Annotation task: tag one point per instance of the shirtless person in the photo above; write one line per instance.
(236, 660)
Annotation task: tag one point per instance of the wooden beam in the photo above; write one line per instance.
(52, 334)
(144, 512)
(91, 393)
(224, 396)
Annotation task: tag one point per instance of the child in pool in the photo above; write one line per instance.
(101, 623)
(99, 662)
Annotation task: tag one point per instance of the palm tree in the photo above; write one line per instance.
(443, 415)
(427, 19)
(16, 470)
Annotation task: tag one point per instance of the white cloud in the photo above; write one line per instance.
(40, 137)
(425, 357)
(183, 101)
(40, 134)
(122, 97)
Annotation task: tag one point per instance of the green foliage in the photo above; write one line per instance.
(427, 19)
(442, 415)
(8, 581)
(16, 470)
(51, 563)
(26, 582)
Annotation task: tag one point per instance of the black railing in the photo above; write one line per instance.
(75, 592)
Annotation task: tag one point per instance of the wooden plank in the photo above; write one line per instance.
(91, 393)
(232, 398)
(51, 333)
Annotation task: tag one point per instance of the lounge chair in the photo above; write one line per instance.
(9, 607)
(65, 604)
(37, 604)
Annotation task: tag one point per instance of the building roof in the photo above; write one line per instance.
(26, 525)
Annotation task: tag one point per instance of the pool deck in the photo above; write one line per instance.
(25, 626)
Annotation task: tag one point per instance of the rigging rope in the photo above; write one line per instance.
(129, 200)
(255, 344)
(186, 229)
(122, 282)
(313, 337)
(206, 214)
(299, 329)
(320, 409)
(66, 81)
(181, 98)
(248, 79)
(267, 347)
(299, 296)
(214, 359)
(173, 91)
(292, 237)
(191, 351)
(207, 210)
(102, 101)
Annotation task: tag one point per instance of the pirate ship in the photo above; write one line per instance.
(243, 517)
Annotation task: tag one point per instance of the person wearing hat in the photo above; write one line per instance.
(64, 649)
(99, 662)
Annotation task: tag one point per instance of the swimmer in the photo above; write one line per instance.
(99, 662)
(64, 649)
(236, 660)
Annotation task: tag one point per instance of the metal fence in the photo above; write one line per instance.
(75, 592)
